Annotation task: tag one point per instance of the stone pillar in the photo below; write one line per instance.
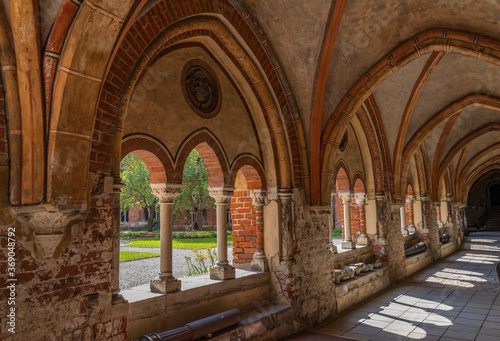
(411, 222)
(116, 298)
(222, 269)
(424, 231)
(332, 247)
(381, 230)
(396, 242)
(380, 245)
(285, 199)
(347, 243)
(434, 231)
(402, 213)
(437, 206)
(361, 202)
(166, 282)
(259, 261)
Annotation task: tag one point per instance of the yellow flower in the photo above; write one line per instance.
(202, 255)
(193, 251)
(208, 249)
(210, 257)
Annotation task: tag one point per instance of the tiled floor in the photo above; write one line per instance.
(455, 299)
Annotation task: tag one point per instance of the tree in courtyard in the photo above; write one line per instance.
(135, 176)
(195, 186)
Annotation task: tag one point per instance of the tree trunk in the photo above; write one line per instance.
(150, 218)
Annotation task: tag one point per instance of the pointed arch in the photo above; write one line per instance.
(213, 155)
(436, 40)
(252, 170)
(341, 179)
(152, 153)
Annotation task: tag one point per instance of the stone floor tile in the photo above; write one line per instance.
(483, 337)
(421, 336)
(467, 322)
(357, 336)
(460, 335)
(377, 323)
(492, 325)
(472, 316)
(387, 336)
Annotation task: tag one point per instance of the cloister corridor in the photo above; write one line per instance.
(457, 298)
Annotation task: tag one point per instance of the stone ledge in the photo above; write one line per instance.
(417, 262)
(363, 254)
(199, 297)
(448, 248)
(351, 292)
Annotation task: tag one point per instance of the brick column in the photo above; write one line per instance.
(116, 298)
(259, 261)
(361, 202)
(222, 269)
(409, 214)
(347, 243)
(285, 200)
(166, 282)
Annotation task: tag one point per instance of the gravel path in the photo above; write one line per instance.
(141, 271)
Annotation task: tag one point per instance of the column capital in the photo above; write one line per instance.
(360, 198)
(345, 197)
(222, 195)
(410, 198)
(436, 203)
(166, 192)
(258, 197)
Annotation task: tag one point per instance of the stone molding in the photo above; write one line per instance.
(166, 193)
(259, 197)
(222, 195)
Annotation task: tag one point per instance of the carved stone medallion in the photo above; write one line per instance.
(201, 89)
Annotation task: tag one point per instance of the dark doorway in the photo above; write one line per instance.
(495, 195)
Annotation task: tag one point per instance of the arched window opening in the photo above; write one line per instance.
(343, 200)
(358, 224)
(248, 224)
(409, 215)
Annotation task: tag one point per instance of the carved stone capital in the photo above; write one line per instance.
(410, 198)
(166, 192)
(360, 198)
(345, 197)
(258, 197)
(222, 195)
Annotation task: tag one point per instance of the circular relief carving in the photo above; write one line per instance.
(201, 88)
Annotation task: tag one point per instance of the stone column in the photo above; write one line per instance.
(434, 231)
(381, 229)
(411, 222)
(259, 261)
(222, 269)
(285, 199)
(424, 231)
(437, 206)
(347, 243)
(116, 298)
(166, 282)
(361, 202)
(404, 230)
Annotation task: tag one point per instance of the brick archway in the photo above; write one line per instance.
(152, 153)
(213, 156)
(428, 41)
(247, 217)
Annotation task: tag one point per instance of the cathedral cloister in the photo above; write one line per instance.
(379, 119)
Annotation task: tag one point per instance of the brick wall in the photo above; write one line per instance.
(244, 217)
(76, 285)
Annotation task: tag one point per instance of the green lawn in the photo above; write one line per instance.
(180, 243)
(336, 233)
(128, 255)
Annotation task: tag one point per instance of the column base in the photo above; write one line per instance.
(348, 244)
(161, 285)
(405, 232)
(411, 229)
(259, 264)
(222, 272)
(117, 298)
(363, 240)
(333, 248)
